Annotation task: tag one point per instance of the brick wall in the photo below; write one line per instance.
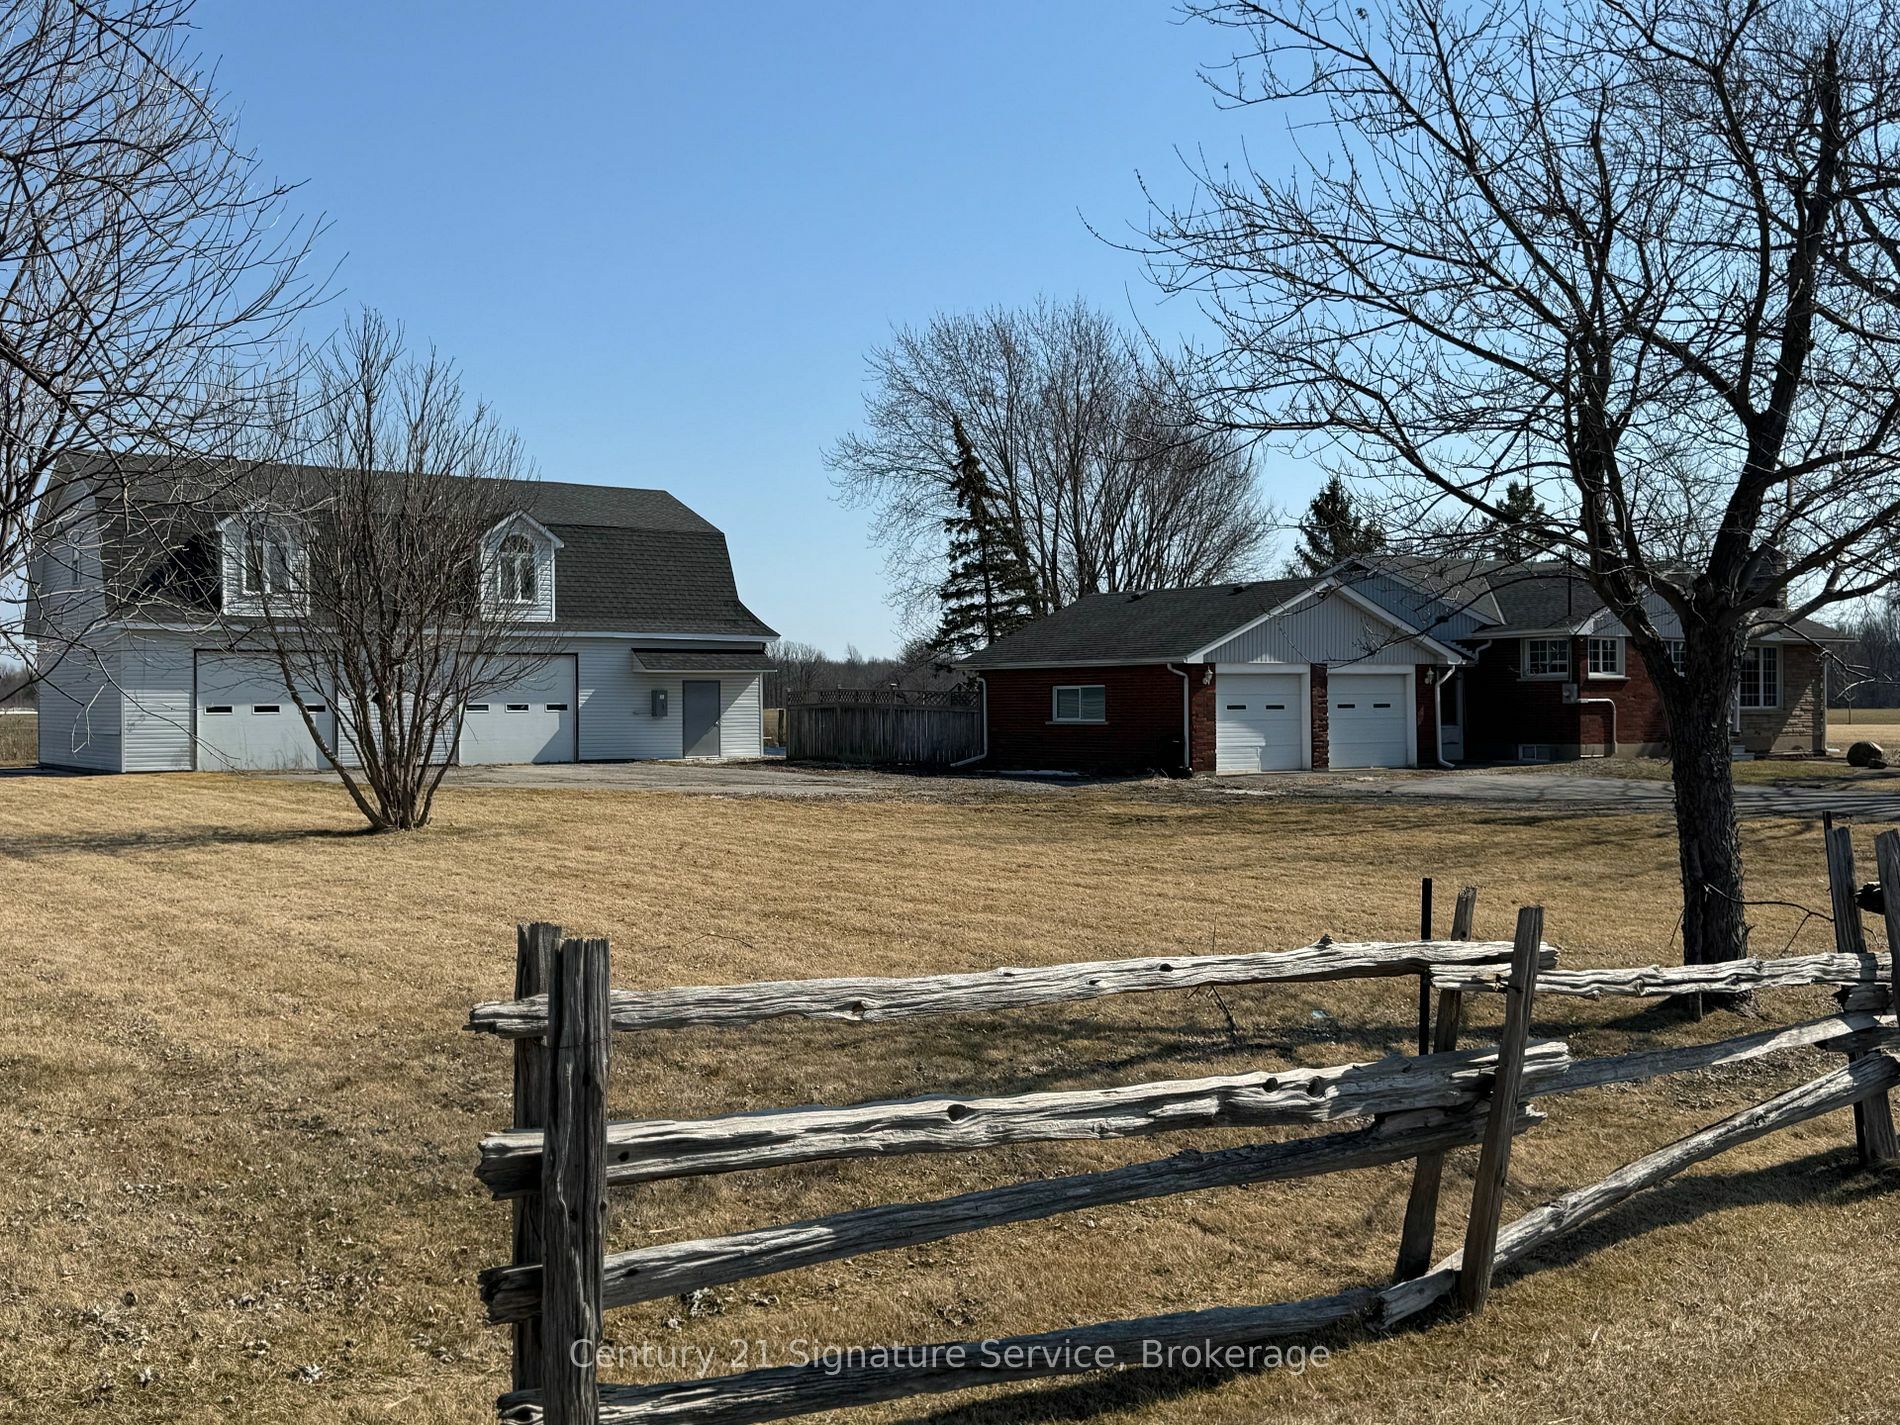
(1503, 710)
(1425, 696)
(1142, 729)
(1201, 715)
(1642, 726)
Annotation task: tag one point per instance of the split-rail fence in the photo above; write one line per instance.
(563, 1155)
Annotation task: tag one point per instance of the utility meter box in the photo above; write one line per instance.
(1570, 692)
(659, 702)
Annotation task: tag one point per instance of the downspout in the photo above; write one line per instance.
(1187, 720)
(1438, 719)
(983, 722)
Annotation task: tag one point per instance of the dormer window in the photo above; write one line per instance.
(516, 577)
(264, 560)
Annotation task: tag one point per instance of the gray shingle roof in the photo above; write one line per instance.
(634, 560)
(1153, 627)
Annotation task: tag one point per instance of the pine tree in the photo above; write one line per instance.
(1333, 530)
(989, 589)
(1511, 536)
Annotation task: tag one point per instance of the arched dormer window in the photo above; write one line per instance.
(516, 577)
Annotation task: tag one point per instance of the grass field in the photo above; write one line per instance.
(18, 740)
(244, 1114)
(1862, 717)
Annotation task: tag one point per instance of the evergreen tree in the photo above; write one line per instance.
(1333, 530)
(1511, 536)
(989, 589)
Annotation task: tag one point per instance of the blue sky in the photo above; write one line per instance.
(661, 237)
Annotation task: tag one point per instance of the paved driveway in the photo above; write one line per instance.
(1564, 791)
(768, 778)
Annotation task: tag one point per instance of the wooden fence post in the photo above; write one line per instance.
(534, 961)
(1421, 1208)
(1873, 1117)
(1887, 864)
(574, 1183)
(1494, 1162)
(1425, 976)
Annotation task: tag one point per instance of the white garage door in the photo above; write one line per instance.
(246, 719)
(1368, 720)
(1258, 723)
(532, 720)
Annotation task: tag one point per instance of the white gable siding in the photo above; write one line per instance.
(156, 675)
(1326, 630)
(79, 709)
(1422, 610)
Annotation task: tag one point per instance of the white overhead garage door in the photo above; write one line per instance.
(246, 719)
(1258, 722)
(1369, 719)
(532, 720)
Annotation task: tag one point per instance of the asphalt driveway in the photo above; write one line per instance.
(1563, 791)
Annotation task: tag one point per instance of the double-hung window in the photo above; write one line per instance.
(1677, 655)
(517, 573)
(1761, 676)
(1546, 658)
(1084, 702)
(1605, 657)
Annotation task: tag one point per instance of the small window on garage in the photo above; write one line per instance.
(263, 709)
(478, 707)
(219, 709)
(517, 707)
(1081, 702)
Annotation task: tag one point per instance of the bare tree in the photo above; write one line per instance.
(146, 267)
(1641, 255)
(1110, 468)
(391, 579)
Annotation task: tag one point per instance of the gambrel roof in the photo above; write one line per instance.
(630, 560)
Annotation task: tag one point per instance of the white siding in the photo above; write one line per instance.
(741, 722)
(617, 722)
(156, 675)
(79, 709)
(1326, 630)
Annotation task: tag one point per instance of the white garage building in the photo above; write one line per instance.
(638, 646)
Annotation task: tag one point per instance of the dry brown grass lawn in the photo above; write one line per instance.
(243, 1112)
(19, 740)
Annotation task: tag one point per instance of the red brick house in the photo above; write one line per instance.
(1375, 664)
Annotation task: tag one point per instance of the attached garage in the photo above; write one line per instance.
(534, 719)
(1260, 722)
(246, 719)
(1369, 719)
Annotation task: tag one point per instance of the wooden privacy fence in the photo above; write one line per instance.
(884, 727)
(562, 1155)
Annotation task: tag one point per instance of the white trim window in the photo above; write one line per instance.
(1604, 657)
(269, 560)
(1761, 677)
(1545, 658)
(1079, 702)
(1678, 652)
(517, 573)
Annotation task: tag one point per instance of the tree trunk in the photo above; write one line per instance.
(1708, 837)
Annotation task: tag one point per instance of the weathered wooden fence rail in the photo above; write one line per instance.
(562, 1155)
(896, 730)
